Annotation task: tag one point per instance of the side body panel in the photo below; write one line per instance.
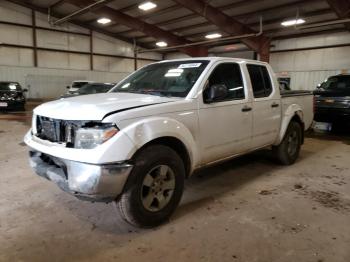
(266, 118)
(178, 120)
(225, 130)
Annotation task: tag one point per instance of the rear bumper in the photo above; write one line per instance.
(101, 183)
(331, 114)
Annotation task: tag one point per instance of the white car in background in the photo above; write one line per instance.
(136, 144)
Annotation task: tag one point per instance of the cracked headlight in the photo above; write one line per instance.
(89, 138)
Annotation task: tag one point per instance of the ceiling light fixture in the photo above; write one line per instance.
(103, 20)
(161, 44)
(214, 35)
(293, 22)
(147, 6)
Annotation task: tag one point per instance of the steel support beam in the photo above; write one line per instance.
(27, 4)
(260, 44)
(277, 8)
(143, 27)
(34, 36)
(342, 9)
(57, 4)
(135, 60)
(325, 11)
(93, 6)
(251, 25)
(238, 4)
(91, 38)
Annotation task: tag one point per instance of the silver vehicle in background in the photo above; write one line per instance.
(89, 89)
(76, 85)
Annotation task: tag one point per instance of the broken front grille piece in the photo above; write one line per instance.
(59, 131)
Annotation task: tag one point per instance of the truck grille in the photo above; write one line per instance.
(332, 102)
(60, 131)
(53, 130)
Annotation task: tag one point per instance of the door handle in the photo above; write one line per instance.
(275, 105)
(246, 109)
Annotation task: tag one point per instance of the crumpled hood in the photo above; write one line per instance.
(97, 106)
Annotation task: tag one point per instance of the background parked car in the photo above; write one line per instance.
(332, 100)
(91, 88)
(77, 84)
(12, 96)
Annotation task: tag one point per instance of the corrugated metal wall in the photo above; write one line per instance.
(50, 83)
(56, 70)
(310, 79)
(310, 67)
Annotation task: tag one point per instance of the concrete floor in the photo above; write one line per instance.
(247, 209)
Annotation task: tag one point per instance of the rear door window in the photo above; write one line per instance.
(260, 80)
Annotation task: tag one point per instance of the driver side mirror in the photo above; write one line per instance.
(215, 93)
(25, 90)
(67, 87)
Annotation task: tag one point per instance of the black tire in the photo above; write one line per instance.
(287, 151)
(131, 203)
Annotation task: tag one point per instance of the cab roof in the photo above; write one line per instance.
(215, 59)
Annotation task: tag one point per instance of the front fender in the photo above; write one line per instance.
(289, 113)
(145, 130)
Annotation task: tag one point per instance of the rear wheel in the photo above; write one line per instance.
(154, 188)
(288, 150)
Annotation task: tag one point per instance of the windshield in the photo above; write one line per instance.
(164, 79)
(337, 82)
(94, 88)
(10, 86)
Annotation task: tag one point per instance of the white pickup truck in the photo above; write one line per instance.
(136, 144)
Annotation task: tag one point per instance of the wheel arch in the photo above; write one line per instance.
(293, 113)
(177, 145)
(165, 131)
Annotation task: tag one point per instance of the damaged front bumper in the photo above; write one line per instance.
(102, 183)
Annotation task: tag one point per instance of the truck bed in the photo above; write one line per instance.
(288, 93)
(299, 99)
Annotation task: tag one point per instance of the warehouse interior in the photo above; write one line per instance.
(246, 209)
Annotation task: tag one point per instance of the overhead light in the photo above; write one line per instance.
(161, 44)
(293, 22)
(212, 36)
(103, 20)
(147, 6)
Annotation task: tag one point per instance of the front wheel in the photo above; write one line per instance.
(288, 150)
(154, 188)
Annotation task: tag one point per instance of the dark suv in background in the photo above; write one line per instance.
(332, 100)
(12, 96)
